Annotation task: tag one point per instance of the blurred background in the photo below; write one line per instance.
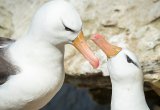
(132, 24)
(73, 98)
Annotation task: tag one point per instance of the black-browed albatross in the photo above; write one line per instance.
(31, 68)
(126, 76)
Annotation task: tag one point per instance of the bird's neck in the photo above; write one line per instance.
(32, 53)
(128, 96)
(31, 39)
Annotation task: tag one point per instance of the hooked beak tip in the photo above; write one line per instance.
(82, 46)
(109, 49)
(96, 36)
(95, 63)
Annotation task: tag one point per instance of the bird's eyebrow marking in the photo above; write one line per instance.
(67, 28)
(129, 60)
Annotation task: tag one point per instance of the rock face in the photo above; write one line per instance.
(6, 27)
(132, 24)
(20, 12)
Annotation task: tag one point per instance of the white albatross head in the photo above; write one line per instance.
(123, 65)
(57, 22)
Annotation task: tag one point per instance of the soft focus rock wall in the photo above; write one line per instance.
(132, 24)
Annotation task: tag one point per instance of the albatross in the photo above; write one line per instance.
(31, 68)
(126, 76)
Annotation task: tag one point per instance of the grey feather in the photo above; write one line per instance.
(6, 68)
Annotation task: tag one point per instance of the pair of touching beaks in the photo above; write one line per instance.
(109, 49)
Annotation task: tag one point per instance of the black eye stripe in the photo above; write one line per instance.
(129, 60)
(68, 29)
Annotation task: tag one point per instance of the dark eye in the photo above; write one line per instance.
(68, 29)
(129, 60)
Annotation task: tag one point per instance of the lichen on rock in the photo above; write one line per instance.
(6, 26)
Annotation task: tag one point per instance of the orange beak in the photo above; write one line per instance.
(82, 46)
(108, 49)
